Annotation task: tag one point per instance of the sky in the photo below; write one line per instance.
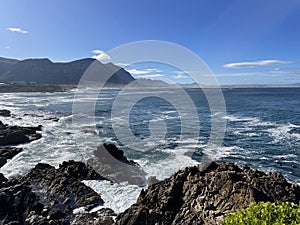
(242, 41)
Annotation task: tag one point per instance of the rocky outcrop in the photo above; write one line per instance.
(110, 162)
(101, 217)
(4, 113)
(8, 153)
(196, 196)
(47, 195)
(12, 135)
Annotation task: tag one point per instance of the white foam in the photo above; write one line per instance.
(282, 132)
(118, 197)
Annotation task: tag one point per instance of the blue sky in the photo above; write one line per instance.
(242, 41)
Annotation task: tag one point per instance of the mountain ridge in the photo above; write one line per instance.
(43, 70)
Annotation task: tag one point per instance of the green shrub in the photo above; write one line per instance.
(266, 213)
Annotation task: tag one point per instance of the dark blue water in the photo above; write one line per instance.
(263, 126)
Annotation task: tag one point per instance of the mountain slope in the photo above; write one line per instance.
(45, 71)
(6, 64)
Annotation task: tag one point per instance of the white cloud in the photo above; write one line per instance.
(179, 76)
(143, 71)
(271, 73)
(151, 75)
(255, 64)
(137, 72)
(100, 56)
(18, 30)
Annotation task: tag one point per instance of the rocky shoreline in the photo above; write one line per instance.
(49, 195)
(14, 135)
(194, 195)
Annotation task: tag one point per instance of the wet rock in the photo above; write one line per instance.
(16, 202)
(101, 217)
(55, 119)
(12, 135)
(5, 113)
(47, 195)
(110, 162)
(205, 195)
(8, 153)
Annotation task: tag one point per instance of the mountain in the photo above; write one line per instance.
(6, 64)
(150, 83)
(48, 72)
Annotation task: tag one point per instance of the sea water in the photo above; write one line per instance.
(262, 131)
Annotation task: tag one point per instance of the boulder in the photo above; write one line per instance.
(5, 113)
(110, 162)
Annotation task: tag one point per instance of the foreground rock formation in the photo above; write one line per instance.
(47, 195)
(110, 162)
(8, 153)
(192, 196)
(13, 135)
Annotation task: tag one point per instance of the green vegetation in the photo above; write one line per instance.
(266, 213)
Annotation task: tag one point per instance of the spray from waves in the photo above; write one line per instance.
(254, 126)
(284, 132)
(118, 197)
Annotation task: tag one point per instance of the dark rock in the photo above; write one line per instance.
(16, 202)
(32, 115)
(110, 162)
(47, 195)
(55, 119)
(2, 125)
(5, 113)
(101, 217)
(198, 195)
(8, 153)
(11, 135)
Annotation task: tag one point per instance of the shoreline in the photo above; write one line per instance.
(59, 195)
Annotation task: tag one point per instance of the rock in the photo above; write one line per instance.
(32, 115)
(66, 183)
(5, 113)
(55, 119)
(101, 217)
(47, 195)
(204, 195)
(110, 162)
(18, 201)
(8, 153)
(11, 135)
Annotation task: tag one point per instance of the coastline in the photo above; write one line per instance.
(200, 194)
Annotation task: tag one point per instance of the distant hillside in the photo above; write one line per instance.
(6, 64)
(47, 72)
(150, 83)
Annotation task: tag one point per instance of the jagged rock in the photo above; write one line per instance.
(5, 113)
(8, 153)
(110, 162)
(47, 195)
(16, 202)
(11, 135)
(204, 196)
(101, 217)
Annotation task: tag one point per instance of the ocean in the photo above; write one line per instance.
(262, 131)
